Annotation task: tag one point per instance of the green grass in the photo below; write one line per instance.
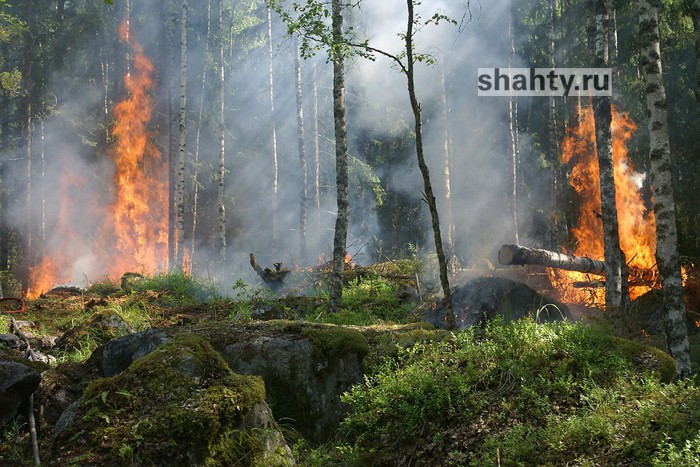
(178, 288)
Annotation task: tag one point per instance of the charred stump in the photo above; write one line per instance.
(274, 278)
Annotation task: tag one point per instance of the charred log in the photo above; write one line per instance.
(272, 277)
(520, 255)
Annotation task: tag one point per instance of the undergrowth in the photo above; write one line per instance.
(533, 393)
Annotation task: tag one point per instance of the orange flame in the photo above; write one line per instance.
(133, 234)
(635, 223)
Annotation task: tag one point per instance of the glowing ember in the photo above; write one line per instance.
(133, 233)
(636, 223)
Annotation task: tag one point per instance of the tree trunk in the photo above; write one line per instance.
(222, 145)
(302, 155)
(520, 255)
(447, 153)
(195, 164)
(317, 159)
(511, 130)
(273, 136)
(603, 122)
(170, 83)
(42, 180)
(180, 180)
(341, 161)
(667, 256)
(430, 198)
(27, 78)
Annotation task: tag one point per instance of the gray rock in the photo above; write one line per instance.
(119, 353)
(10, 340)
(66, 418)
(17, 383)
(300, 387)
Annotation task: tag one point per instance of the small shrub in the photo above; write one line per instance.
(178, 288)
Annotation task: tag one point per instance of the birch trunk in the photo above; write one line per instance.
(302, 155)
(222, 145)
(341, 161)
(171, 21)
(27, 104)
(180, 180)
(273, 136)
(430, 198)
(603, 121)
(317, 159)
(447, 153)
(667, 257)
(195, 164)
(511, 131)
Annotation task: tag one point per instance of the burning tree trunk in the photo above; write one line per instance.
(520, 255)
(667, 256)
(603, 120)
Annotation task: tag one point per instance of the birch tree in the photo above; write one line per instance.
(273, 134)
(303, 201)
(180, 180)
(220, 189)
(667, 256)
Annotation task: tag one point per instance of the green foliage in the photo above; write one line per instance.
(178, 288)
(688, 454)
(537, 393)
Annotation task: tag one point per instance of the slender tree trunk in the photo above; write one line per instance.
(222, 148)
(612, 13)
(341, 162)
(105, 94)
(603, 122)
(302, 155)
(511, 129)
(447, 153)
(42, 180)
(430, 198)
(180, 180)
(170, 83)
(273, 136)
(317, 158)
(27, 77)
(195, 164)
(667, 257)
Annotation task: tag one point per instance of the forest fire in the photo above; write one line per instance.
(132, 230)
(636, 222)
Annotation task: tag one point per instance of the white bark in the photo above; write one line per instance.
(180, 180)
(667, 256)
(222, 145)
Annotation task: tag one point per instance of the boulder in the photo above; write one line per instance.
(179, 405)
(484, 298)
(17, 383)
(10, 340)
(119, 353)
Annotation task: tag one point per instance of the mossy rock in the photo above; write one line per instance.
(179, 405)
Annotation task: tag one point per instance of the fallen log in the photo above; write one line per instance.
(520, 255)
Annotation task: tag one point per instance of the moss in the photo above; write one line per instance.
(179, 404)
(384, 341)
(332, 341)
(648, 358)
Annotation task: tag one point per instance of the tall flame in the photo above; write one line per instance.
(133, 232)
(635, 222)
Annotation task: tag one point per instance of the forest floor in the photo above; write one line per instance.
(492, 393)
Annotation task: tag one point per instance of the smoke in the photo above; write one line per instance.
(77, 180)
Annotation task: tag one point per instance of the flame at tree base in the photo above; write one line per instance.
(131, 233)
(636, 224)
